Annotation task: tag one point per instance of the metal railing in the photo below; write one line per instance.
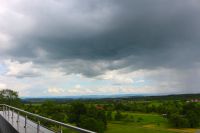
(7, 109)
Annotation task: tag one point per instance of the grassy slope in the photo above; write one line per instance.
(133, 128)
(151, 123)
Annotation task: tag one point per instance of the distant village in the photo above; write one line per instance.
(193, 101)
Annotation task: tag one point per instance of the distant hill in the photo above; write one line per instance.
(114, 97)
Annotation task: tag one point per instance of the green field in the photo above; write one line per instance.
(150, 123)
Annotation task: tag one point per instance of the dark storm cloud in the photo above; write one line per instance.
(139, 34)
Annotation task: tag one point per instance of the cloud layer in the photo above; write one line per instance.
(107, 41)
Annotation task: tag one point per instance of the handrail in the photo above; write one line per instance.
(50, 120)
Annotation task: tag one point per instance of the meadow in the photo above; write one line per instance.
(149, 123)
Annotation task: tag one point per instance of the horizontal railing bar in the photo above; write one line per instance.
(50, 120)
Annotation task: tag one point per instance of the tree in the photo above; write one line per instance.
(77, 109)
(52, 110)
(192, 113)
(101, 116)
(178, 120)
(9, 97)
(109, 115)
(193, 119)
(92, 124)
(118, 116)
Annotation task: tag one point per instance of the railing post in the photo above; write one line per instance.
(25, 121)
(38, 126)
(17, 117)
(8, 113)
(60, 129)
(3, 110)
(12, 114)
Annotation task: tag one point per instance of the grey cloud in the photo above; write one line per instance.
(25, 74)
(30, 75)
(139, 34)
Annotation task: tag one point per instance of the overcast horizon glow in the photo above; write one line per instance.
(100, 47)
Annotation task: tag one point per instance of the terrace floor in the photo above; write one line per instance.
(31, 127)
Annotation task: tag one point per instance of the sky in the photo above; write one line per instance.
(99, 47)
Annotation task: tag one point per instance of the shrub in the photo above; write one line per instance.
(92, 124)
